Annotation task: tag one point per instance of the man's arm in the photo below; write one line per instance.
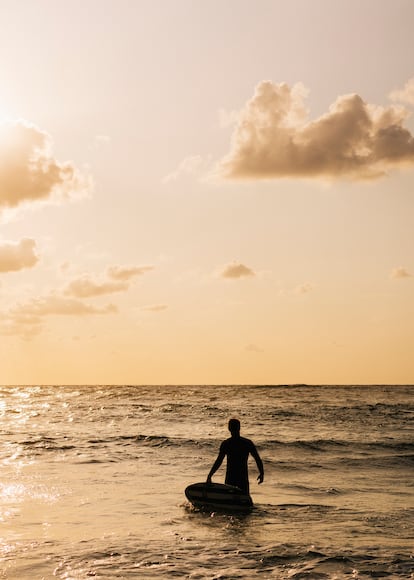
(259, 463)
(216, 464)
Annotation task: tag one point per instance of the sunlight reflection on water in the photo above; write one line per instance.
(92, 481)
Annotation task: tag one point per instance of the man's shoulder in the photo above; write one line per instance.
(240, 441)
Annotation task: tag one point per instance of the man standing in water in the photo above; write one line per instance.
(237, 449)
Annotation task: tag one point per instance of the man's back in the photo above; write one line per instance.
(237, 450)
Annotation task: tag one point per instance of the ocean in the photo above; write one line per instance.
(93, 477)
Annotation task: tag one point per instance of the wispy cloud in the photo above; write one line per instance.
(400, 273)
(126, 273)
(275, 139)
(155, 307)
(116, 279)
(227, 118)
(304, 288)
(86, 287)
(190, 166)
(102, 140)
(16, 256)
(253, 348)
(26, 320)
(236, 270)
(57, 305)
(404, 95)
(24, 330)
(28, 170)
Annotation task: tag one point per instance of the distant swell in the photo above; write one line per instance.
(280, 451)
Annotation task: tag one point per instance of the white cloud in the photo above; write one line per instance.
(228, 118)
(29, 172)
(16, 256)
(102, 139)
(404, 95)
(190, 166)
(274, 138)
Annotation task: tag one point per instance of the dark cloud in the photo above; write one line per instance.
(236, 270)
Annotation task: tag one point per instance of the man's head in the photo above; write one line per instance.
(234, 426)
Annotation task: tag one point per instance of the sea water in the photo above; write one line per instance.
(92, 482)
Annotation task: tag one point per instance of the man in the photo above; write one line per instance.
(237, 449)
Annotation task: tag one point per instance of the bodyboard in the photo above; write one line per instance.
(218, 496)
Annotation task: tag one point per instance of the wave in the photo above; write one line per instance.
(284, 560)
(319, 445)
(325, 445)
(285, 455)
(46, 444)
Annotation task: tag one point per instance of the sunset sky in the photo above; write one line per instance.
(204, 191)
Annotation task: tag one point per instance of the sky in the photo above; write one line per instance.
(206, 192)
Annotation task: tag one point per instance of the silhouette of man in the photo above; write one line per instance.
(237, 449)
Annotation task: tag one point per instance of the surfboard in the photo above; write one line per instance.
(218, 496)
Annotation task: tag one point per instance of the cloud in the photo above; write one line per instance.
(118, 280)
(405, 95)
(28, 170)
(275, 139)
(190, 166)
(16, 256)
(85, 287)
(56, 305)
(14, 328)
(227, 118)
(102, 139)
(124, 273)
(26, 320)
(400, 273)
(155, 307)
(100, 143)
(304, 288)
(253, 348)
(236, 271)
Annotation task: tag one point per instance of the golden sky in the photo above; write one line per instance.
(206, 192)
